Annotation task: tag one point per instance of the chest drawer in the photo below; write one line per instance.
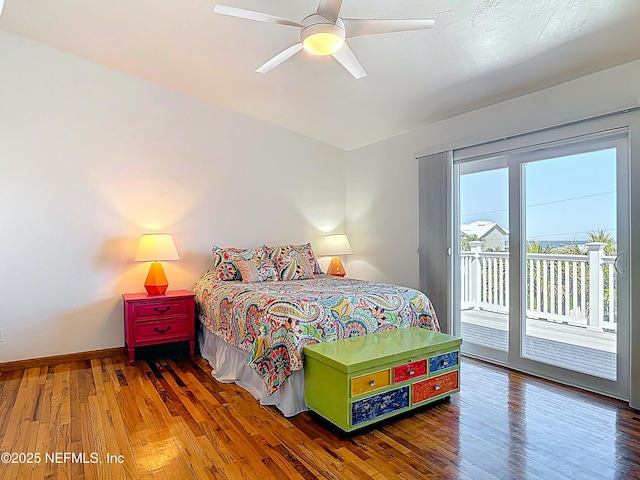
(443, 361)
(379, 405)
(156, 330)
(434, 387)
(408, 371)
(159, 310)
(370, 382)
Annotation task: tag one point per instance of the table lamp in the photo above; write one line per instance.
(156, 247)
(335, 245)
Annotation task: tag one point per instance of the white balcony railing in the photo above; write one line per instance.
(573, 289)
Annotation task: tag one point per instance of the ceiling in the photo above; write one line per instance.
(480, 52)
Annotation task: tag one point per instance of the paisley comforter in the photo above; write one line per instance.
(273, 321)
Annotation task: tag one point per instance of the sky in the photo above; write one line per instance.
(566, 197)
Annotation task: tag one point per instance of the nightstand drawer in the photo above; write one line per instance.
(155, 330)
(408, 371)
(160, 309)
(434, 387)
(370, 382)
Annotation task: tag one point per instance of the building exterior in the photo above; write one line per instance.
(494, 236)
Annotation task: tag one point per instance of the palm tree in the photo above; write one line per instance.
(536, 247)
(599, 236)
(464, 241)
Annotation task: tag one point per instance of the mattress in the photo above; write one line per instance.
(271, 322)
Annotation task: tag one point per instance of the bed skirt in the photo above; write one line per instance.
(229, 365)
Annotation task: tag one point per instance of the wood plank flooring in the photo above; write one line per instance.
(167, 418)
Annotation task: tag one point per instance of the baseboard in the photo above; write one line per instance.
(70, 357)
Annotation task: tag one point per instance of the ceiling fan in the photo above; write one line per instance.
(324, 32)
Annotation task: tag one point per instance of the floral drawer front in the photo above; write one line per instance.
(441, 362)
(434, 387)
(378, 405)
(409, 371)
(370, 382)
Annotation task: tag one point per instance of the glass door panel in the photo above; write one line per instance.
(570, 210)
(483, 251)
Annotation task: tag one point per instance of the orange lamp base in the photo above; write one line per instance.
(156, 282)
(335, 268)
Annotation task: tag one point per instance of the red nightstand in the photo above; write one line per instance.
(155, 319)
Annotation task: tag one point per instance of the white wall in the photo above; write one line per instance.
(382, 183)
(90, 158)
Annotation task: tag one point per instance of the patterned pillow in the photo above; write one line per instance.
(305, 250)
(257, 270)
(224, 258)
(290, 262)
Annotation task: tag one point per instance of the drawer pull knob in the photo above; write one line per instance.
(372, 383)
(411, 371)
(164, 330)
(438, 386)
(162, 310)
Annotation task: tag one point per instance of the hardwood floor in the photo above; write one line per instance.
(169, 419)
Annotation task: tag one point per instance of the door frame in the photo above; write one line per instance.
(513, 148)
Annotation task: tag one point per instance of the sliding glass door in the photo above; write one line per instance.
(483, 256)
(541, 264)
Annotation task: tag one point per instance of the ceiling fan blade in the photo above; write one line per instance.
(330, 9)
(281, 57)
(251, 15)
(349, 61)
(359, 28)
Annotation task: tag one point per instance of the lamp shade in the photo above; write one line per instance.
(336, 245)
(154, 247)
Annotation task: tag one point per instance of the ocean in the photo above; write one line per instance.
(560, 243)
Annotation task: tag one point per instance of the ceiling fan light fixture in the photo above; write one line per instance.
(321, 37)
(323, 44)
(323, 33)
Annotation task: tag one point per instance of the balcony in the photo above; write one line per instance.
(570, 306)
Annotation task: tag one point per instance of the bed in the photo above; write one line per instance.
(253, 332)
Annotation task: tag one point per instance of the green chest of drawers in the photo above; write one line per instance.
(357, 381)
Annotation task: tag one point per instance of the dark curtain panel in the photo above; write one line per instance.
(434, 229)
